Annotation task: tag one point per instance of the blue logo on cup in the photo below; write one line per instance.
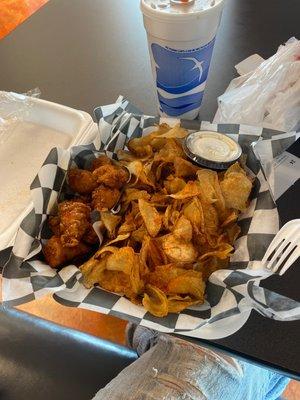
(181, 77)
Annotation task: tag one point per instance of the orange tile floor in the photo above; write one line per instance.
(14, 12)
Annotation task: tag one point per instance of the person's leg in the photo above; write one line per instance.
(261, 383)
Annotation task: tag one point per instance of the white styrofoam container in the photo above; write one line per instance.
(46, 125)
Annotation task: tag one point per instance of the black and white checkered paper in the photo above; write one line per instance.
(231, 293)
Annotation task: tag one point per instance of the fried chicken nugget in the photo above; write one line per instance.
(104, 198)
(111, 176)
(56, 254)
(81, 181)
(74, 221)
(102, 160)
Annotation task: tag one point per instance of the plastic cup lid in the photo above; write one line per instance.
(176, 9)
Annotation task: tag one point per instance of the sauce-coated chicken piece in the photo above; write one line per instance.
(111, 176)
(56, 254)
(81, 181)
(74, 221)
(104, 198)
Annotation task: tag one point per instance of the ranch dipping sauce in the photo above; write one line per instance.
(212, 149)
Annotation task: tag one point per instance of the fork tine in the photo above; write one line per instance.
(295, 223)
(278, 250)
(283, 256)
(290, 261)
(290, 237)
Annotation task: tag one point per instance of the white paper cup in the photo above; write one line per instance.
(181, 37)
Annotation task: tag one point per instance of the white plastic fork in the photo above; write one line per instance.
(284, 248)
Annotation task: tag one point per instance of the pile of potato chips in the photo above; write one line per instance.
(176, 225)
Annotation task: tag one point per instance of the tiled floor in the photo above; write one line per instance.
(14, 12)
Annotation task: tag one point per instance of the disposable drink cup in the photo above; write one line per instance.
(181, 37)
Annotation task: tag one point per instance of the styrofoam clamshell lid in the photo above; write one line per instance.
(46, 125)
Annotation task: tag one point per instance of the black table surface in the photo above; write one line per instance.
(84, 53)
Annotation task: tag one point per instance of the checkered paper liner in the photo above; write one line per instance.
(231, 293)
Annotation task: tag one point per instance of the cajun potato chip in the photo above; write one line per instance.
(234, 168)
(194, 213)
(183, 229)
(223, 251)
(206, 179)
(139, 234)
(151, 217)
(210, 265)
(191, 189)
(92, 271)
(163, 274)
(110, 222)
(132, 194)
(178, 251)
(236, 188)
(176, 304)
(233, 232)
(190, 283)
(175, 132)
(122, 260)
(174, 185)
(155, 301)
(117, 282)
(170, 150)
(137, 284)
(184, 168)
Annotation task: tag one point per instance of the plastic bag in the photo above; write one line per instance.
(268, 95)
(13, 109)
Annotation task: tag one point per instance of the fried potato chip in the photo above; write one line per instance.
(175, 132)
(106, 249)
(156, 255)
(132, 194)
(191, 189)
(177, 250)
(135, 279)
(206, 179)
(155, 301)
(223, 251)
(210, 265)
(128, 225)
(144, 269)
(136, 168)
(122, 260)
(174, 185)
(139, 234)
(119, 238)
(230, 218)
(234, 168)
(236, 188)
(170, 150)
(190, 283)
(92, 270)
(110, 222)
(177, 303)
(211, 219)
(184, 168)
(163, 274)
(117, 282)
(233, 232)
(194, 213)
(151, 217)
(183, 229)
